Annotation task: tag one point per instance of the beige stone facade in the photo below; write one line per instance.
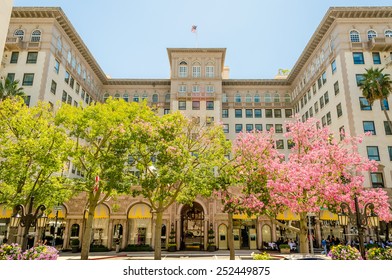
(53, 64)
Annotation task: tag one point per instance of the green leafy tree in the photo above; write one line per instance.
(377, 86)
(10, 88)
(177, 159)
(102, 136)
(33, 153)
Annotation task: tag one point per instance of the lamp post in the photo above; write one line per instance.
(361, 220)
(29, 219)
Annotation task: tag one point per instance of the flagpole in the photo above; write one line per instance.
(194, 30)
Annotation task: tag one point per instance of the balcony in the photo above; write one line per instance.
(13, 44)
(33, 46)
(356, 46)
(380, 44)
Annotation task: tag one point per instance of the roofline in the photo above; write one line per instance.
(331, 15)
(188, 50)
(58, 14)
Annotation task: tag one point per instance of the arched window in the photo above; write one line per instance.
(36, 36)
(79, 68)
(388, 33)
(69, 57)
(59, 44)
(136, 97)
(257, 98)
(276, 97)
(183, 70)
(144, 96)
(371, 34)
(287, 98)
(196, 70)
(354, 36)
(19, 33)
(248, 98)
(126, 97)
(238, 98)
(167, 98)
(106, 97)
(117, 96)
(73, 62)
(155, 98)
(267, 98)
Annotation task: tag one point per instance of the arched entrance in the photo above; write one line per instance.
(140, 227)
(192, 227)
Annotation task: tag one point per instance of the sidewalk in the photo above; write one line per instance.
(182, 255)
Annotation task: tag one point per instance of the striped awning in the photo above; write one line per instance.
(101, 212)
(327, 215)
(5, 212)
(243, 217)
(140, 211)
(287, 215)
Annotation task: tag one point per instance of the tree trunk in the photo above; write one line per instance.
(230, 236)
(303, 234)
(86, 241)
(386, 116)
(157, 237)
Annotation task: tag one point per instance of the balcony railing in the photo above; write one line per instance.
(196, 95)
(380, 44)
(13, 43)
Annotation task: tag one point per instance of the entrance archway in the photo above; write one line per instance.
(192, 227)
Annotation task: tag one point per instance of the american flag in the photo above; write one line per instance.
(96, 185)
(194, 27)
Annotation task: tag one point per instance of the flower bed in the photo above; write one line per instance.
(14, 252)
(342, 252)
(379, 254)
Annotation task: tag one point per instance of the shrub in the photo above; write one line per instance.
(343, 252)
(10, 252)
(262, 256)
(284, 246)
(379, 254)
(99, 248)
(137, 247)
(41, 252)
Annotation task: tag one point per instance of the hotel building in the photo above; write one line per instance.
(45, 53)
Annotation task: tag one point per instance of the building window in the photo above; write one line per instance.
(136, 97)
(333, 66)
(53, 87)
(64, 96)
(11, 77)
(19, 33)
(372, 152)
(342, 133)
(323, 121)
(390, 152)
(36, 36)
(267, 98)
(210, 89)
(238, 128)
(354, 36)
(66, 78)
(82, 94)
(311, 112)
(238, 98)
(56, 66)
(278, 128)
(166, 111)
(359, 78)
(249, 127)
(388, 33)
(258, 113)
(182, 88)
(288, 113)
(181, 105)
(248, 113)
(77, 88)
(314, 89)
(279, 144)
(257, 98)
(183, 70)
(268, 113)
(368, 126)
(248, 98)
(319, 83)
(376, 58)
(384, 103)
(371, 34)
(210, 105)
(269, 126)
(329, 119)
(326, 98)
(69, 100)
(126, 97)
(377, 180)
(258, 127)
(225, 128)
(210, 71)
(196, 89)
(27, 99)
(196, 71)
(277, 113)
(387, 128)
(14, 57)
(276, 98)
(321, 102)
(225, 113)
(316, 108)
(72, 82)
(155, 98)
(324, 77)
(209, 120)
(167, 98)
(290, 144)
(358, 58)
(28, 79)
(364, 104)
(336, 87)
(339, 110)
(195, 105)
(238, 113)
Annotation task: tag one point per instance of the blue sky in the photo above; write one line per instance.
(129, 38)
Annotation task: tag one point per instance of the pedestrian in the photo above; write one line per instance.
(324, 245)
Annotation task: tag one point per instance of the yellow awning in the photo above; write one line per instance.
(287, 215)
(140, 211)
(328, 215)
(61, 214)
(101, 212)
(5, 212)
(243, 217)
